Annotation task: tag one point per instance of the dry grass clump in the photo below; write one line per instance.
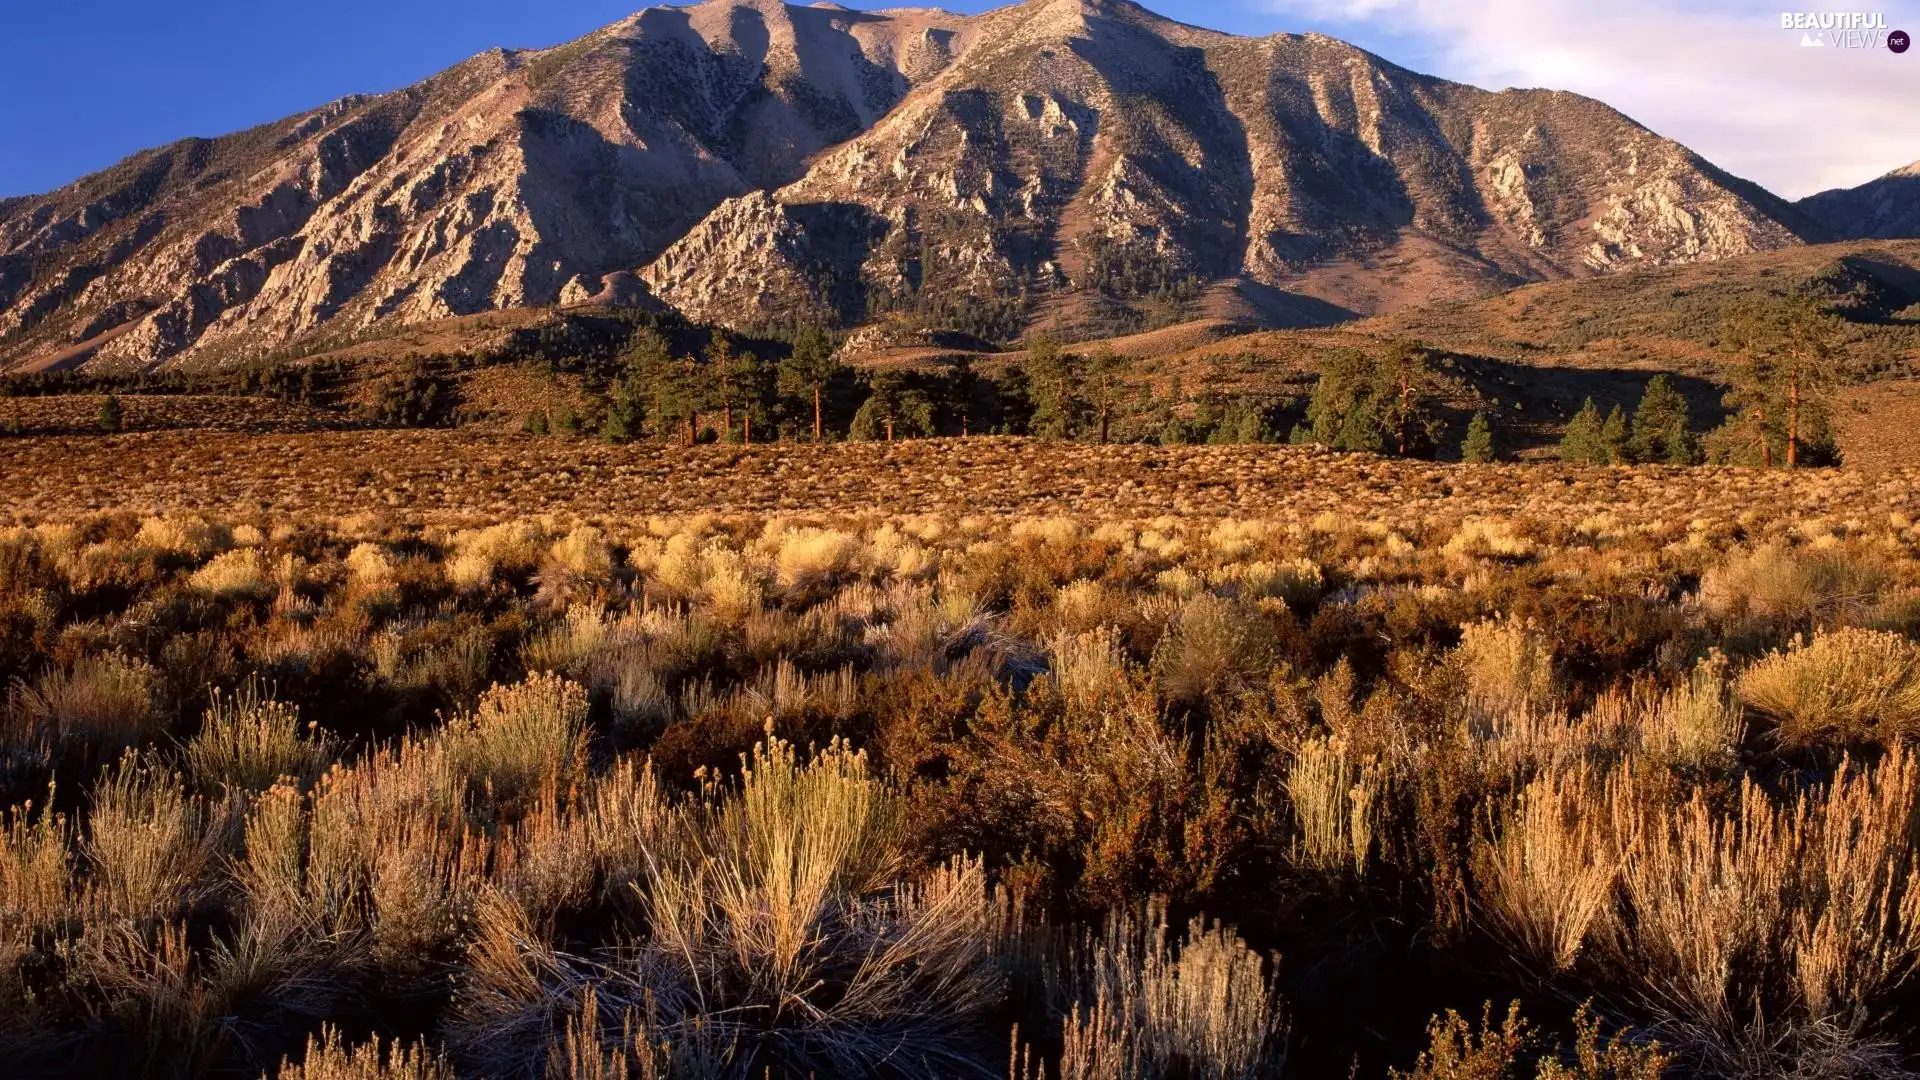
(781, 935)
(1777, 582)
(522, 737)
(1548, 873)
(149, 844)
(330, 1057)
(100, 705)
(1338, 800)
(1843, 686)
(240, 574)
(1149, 1007)
(250, 742)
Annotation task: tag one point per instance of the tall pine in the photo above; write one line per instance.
(1580, 443)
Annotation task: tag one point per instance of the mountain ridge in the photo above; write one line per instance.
(1064, 163)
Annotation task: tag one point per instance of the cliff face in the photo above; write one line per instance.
(517, 178)
(755, 163)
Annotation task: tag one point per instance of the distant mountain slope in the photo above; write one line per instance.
(1886, 208)
(1084, 165)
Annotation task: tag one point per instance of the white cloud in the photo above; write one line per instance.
(1720, 76)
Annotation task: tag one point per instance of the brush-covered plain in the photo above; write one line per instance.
(1353, 767)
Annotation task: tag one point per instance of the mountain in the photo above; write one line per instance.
(1079, 164)
(516, 178)
(1884, 209)
(1083, 152)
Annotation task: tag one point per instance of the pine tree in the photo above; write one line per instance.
(1580, 444)
(110, 417)
(807, 371)
(755, 380)
(1478, 447)
(651, 370)
(963, 391)
(624, 415)
(1808, 367)
(1054, 375)
(726, 377)
(1345, 409)
(1613, 439)
(537, 423)
(1788, 360)
(568, 422)
(1660, 426)
(1106, 391)
(1405, 381)
(893, 408)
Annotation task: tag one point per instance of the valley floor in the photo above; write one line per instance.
(457, 475)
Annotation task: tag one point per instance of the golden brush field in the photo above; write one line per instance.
(355, 754)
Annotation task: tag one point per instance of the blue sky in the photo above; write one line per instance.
(83, 83)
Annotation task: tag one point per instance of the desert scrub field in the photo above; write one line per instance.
(466, 476)
(1619, 793)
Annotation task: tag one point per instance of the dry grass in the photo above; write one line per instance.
(620, 791)
(1847, 686)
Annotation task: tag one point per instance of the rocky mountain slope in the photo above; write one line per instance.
(1086, 155)
(1082, 164)
(516, 178)
(1886, 208)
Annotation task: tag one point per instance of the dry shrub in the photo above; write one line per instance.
(1546, 876)
(1339, 806)
(810, 559)
(1214, 647)
(1298, 582)
(101, 705)
(150, 845)
(583, 552)
(1150, 1009)
(241, 574)
(1771, 936)
(1507, 666)
(1777, 582)
(1698, 723)
(1844, 686)
(272, 873)
(780, 930)
(329, 1057)
(36, 892)
(250, 741)
(521, 737)
(189, 537)
(1087, 666)
(391, 813)
(370, 566)
(1457, 1050)
(1487, 539)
